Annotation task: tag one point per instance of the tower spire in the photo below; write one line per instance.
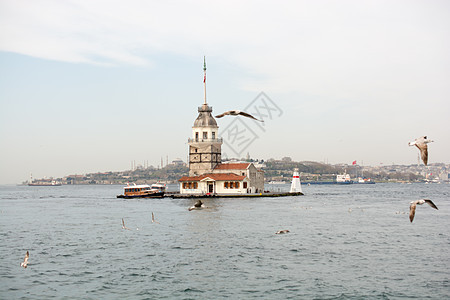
(204, 76)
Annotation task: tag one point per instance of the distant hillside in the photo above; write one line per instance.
(273, 170)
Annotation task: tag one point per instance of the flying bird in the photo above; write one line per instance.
(123, 225)
(153, 219)
(25, 260)
(412, 207)
(197, 205)
(421, 143)
(282, 231)
(236, 113)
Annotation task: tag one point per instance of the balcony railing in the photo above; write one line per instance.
(220, 140)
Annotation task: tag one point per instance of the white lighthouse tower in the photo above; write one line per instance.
(296, 186)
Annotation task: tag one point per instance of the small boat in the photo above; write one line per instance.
(277, 182)
(364, 181)
(143, 191)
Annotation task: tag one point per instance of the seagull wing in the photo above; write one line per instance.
(123, 225)
(153, 219)
(412, 210)
(423, 152)
(222, 115)
(25, 260)
(431, 203)
(249, 116)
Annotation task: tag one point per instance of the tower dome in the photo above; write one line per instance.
(205, 118)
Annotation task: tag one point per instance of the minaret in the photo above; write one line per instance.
(205, 146)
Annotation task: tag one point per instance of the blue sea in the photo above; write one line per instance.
(345, 242)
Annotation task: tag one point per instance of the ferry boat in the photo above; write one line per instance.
(343, 179)
(143, 191)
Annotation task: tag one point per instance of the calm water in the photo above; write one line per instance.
(78, 249)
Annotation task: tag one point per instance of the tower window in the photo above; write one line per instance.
(196, 136)
(205, 135)
(213, 135)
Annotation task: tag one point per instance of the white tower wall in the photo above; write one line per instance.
(296, 185)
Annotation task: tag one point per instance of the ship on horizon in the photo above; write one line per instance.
(43, 182)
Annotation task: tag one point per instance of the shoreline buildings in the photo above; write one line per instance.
(207, 173)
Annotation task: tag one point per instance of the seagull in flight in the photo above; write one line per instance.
(282, 231)
(236, 113)
(197, 205)
(153, 219)
(25, 260)
(421, 143)
(123, 225)
(412, 207)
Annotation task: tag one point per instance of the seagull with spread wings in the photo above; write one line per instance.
(412, 207)
(421, 143)
(237, 113)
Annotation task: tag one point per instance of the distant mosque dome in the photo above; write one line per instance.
(205, 118)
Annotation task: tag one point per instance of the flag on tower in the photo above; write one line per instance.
(354, 162)
(204, 69)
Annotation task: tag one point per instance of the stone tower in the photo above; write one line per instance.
(205, 146)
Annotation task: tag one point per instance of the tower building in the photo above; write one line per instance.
(205, 146)
(207, 174)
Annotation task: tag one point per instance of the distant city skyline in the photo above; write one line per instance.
(92, 86)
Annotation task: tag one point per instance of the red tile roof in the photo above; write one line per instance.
(215, 177)
(232, 166)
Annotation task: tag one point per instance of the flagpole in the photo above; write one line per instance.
(204, 76)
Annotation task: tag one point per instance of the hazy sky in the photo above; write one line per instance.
(89, 86)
